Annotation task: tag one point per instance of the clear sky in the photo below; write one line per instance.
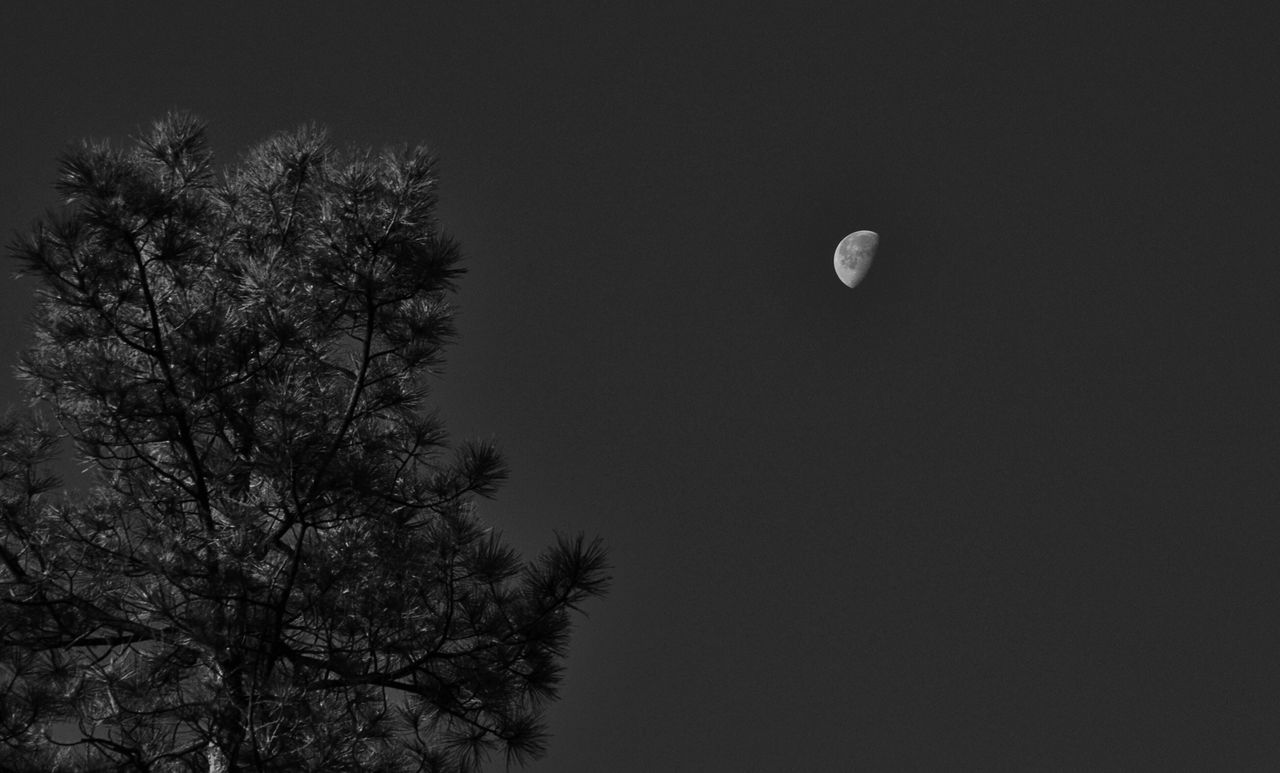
(1009, 504)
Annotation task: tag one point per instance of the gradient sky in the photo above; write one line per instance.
(1010, 504)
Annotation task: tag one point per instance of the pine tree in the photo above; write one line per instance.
(277, 563)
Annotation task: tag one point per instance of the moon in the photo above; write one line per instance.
(854, 256)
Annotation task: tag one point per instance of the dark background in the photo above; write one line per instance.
(1010, 504)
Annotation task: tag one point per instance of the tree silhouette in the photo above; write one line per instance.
(277, 565)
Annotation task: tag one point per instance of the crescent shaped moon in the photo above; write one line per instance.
(854, 256)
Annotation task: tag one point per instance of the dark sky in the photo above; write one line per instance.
(1010, 504)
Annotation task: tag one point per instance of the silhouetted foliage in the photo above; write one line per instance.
(277, 565)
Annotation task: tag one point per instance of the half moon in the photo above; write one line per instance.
(854, 256)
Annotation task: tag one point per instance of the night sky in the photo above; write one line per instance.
(1011, 504)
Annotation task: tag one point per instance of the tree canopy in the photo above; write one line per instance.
(276, 562)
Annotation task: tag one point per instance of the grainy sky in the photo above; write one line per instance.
(1010, 504)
